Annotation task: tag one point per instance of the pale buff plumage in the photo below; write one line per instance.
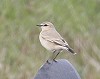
(52, 40)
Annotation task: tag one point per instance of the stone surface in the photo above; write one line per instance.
(62, 69)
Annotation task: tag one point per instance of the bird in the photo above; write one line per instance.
(52, 40)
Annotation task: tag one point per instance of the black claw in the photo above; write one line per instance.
(48, 62)
(54, 60)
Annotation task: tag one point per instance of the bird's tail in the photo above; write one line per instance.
(71, 50)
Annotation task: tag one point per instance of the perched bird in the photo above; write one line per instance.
(52, 40)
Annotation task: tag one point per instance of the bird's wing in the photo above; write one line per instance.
(54, 37)
(60, 42)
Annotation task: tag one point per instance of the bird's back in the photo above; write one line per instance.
(51, 33)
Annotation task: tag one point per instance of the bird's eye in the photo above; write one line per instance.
(45, 25)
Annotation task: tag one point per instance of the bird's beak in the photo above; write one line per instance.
(39, 25)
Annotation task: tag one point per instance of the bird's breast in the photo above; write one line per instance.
(48, 45)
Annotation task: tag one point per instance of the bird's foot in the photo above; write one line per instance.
(54, 60)
(48, 62)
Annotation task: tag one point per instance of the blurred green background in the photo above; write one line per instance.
(21, 53)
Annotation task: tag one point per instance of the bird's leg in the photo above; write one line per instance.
(56, 56)
(51, 57)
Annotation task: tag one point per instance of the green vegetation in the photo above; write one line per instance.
(21, 53)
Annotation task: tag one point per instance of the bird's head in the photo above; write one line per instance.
(46, 25)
